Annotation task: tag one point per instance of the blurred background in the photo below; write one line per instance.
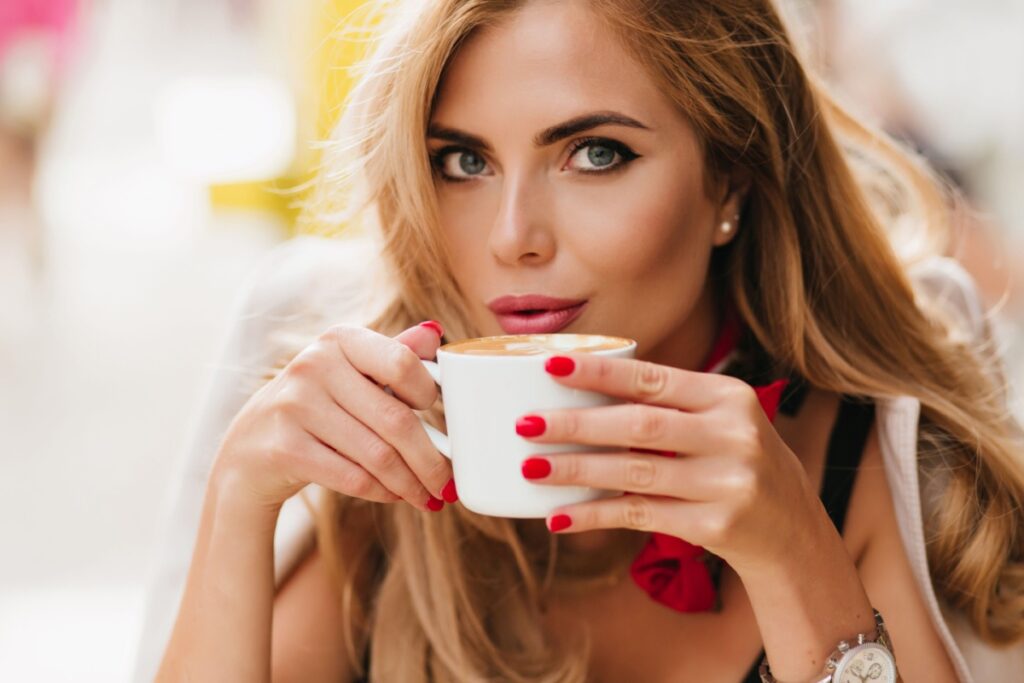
(144, 147)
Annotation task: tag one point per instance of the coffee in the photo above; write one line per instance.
(487, 384)
(536, 344)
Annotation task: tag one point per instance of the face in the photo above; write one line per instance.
(561, 170)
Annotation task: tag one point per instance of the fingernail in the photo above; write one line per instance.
(449, 493)
(435, 326)
(536, 468)
(560, 365)
(530, 425)
(434, 504)
(559, 522)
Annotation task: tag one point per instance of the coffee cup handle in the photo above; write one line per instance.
(437, 437)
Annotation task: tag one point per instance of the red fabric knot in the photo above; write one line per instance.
(670, 570)
(675, 572)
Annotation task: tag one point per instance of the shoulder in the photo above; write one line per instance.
(810, 434)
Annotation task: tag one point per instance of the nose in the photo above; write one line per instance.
(522, 233)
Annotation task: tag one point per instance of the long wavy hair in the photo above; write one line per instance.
(836, 214)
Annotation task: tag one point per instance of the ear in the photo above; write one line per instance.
(730, 202)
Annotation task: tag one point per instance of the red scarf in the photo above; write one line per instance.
(670, 570)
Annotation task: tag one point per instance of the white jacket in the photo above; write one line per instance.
(309, 282)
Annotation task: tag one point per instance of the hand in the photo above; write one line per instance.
(734, 487)
(326, 419)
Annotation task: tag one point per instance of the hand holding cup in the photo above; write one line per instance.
(326, 419)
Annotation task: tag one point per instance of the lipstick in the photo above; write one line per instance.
(535, 313)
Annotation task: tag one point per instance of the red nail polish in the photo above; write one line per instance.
(560, 365)
(435, 326)
(559, 522)
(536, 468)
(434, 504)
(530, 425)
(449, 493)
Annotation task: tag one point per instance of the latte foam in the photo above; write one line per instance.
(536, 344)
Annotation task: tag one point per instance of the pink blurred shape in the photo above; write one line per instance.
(56, 19)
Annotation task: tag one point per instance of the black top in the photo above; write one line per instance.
(845, 447)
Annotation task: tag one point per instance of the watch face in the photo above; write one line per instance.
(864, 663)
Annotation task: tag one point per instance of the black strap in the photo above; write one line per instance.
(845, 448)
(793, 396)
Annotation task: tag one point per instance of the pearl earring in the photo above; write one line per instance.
(726, 226)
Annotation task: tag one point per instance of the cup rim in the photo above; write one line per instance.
(630, 346)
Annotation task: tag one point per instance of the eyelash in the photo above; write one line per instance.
(625, 153)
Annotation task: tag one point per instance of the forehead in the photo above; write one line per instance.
(544, 63)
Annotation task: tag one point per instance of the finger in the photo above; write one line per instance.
(655, 451)
(392, 421)
(333, 426)
(682, 519)
(318, 463)
(424, 339)
(390, 362)
(643, 381)
(628, 424)
(701, 479)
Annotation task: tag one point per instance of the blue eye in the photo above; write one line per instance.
(602, 154)
(471, 163)
(467, 163)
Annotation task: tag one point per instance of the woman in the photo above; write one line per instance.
(672, 172)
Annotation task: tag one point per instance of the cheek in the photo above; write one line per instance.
(642, 231)
(465, 216)
(462, 212)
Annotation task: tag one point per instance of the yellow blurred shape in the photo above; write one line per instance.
(257, 196)
(340, 36)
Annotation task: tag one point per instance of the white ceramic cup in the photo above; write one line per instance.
(483, 397)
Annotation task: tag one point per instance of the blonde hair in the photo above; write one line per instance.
(815, 276)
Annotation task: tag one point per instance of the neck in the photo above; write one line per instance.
(688, 345)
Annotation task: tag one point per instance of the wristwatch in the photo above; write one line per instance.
(868, 657)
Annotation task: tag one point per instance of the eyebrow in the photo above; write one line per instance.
(547, 136)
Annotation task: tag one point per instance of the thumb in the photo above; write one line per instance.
(424, 338)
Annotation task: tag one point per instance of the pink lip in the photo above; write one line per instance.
(531, 302)
(543, 322)
(546, 314)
